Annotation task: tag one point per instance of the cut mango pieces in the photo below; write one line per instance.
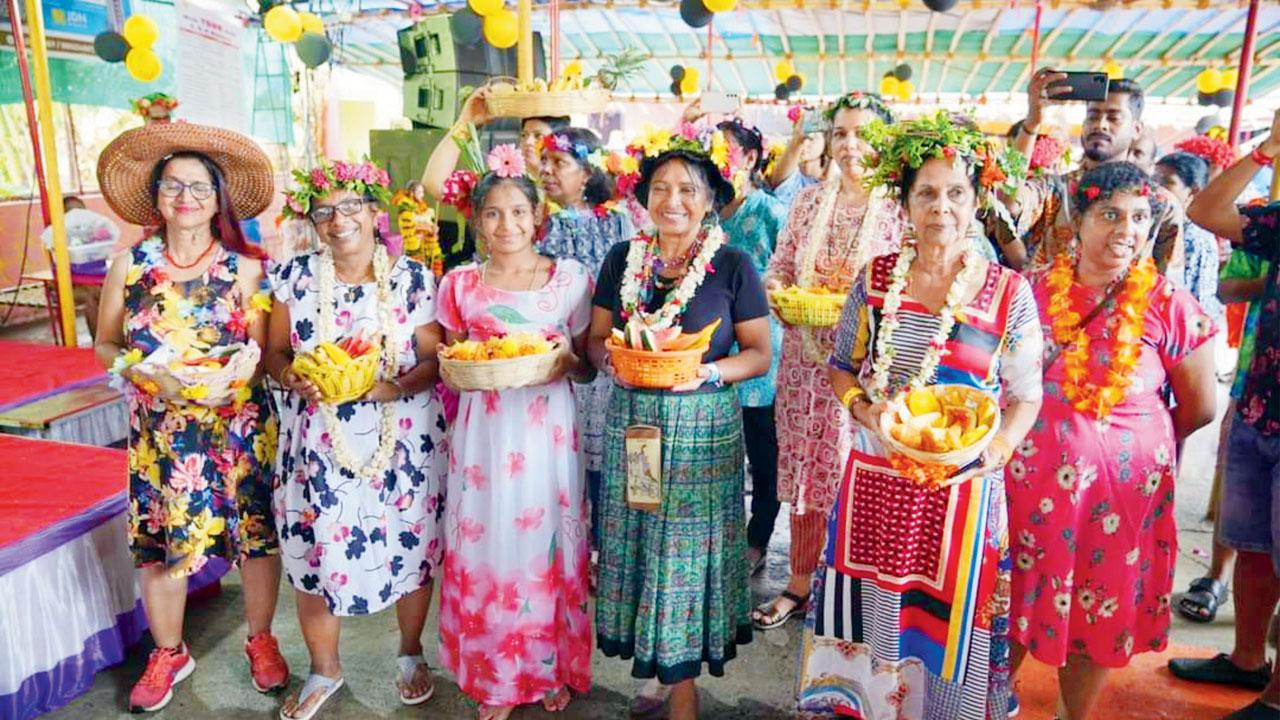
(942, 419)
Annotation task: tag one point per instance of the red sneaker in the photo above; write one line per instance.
(165, 668)
(266, 665)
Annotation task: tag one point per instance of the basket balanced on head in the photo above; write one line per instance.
(501, 362)
(943, 425)
(809, 307)
(343, 371)
(657, 359)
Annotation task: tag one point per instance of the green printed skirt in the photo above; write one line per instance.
(672, 590)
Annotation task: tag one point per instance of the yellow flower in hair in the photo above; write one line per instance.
(719, 150)
(629, 165)
(656, 141)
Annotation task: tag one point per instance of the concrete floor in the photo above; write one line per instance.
(759, 684)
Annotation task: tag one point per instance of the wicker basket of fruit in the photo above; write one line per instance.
(508, 98)
(658, 359)
(207, 378)
(941, 424)
(501, 362)
(809, 307)
(343, 371)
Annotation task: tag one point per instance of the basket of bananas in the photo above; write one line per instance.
(501, 362)
(209, 378)
(538, 98)
(342, 371)
(941, 424)
(808, 306)
(659, 359)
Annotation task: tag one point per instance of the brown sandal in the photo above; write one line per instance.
(767, 617)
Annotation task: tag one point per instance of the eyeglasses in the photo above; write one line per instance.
(173, 188)
(321, 214)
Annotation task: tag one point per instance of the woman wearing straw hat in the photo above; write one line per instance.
(199, 475)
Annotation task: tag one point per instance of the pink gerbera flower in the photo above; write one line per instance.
(505, 161)
(343, 172)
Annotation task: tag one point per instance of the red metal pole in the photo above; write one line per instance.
(553, 10)
(28, 101)
(711, 38)
(1035, 37)
(1242, 78)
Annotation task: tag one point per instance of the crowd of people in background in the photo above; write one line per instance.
(1085, 298)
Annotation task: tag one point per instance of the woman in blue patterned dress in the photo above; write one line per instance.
(752, 223)
(199, 476)
(582, 225)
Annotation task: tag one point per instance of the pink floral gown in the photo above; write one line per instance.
(1091, 523)
(513, 604)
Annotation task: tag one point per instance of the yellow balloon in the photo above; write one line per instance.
(889, 86)
(282, 23)
(1229, 79)
(142, 64)
(1113, 71)
(906, 90)
(783, 70)
(140, 31)
(311, 23)
(716, 6)
(1209, 81)
(501, 29)
(689, 85)
(692, 72)
(485, 8)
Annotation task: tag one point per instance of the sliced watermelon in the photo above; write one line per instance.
(633, 336)
(648, 340)
(619, 338)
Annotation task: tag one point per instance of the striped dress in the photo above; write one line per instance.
(911, 599)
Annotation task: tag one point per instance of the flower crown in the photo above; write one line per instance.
(504, 161)
(1212, 150)
(365, 179)
(908, 144)
(1085, 194)
(702, 142)
(857, 100)
(558, 141)
(143, 105)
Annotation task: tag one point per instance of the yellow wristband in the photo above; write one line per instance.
(851, 396)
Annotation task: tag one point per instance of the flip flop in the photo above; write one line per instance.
(766, 616)
(409, 665)
(1201, 600)
(1256, 710)
(326, 685)
(1219, 670)
(650, 700)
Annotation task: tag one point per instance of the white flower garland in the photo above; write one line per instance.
(639, 255)
(341, 454)
(818, 232)
(889, 321)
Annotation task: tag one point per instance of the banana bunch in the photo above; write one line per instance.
(342, 371)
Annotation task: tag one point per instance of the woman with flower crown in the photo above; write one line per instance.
(514, 627)
(359, 495)
(1091, 488)
(833, 231)
(909, 618)
(673, 592)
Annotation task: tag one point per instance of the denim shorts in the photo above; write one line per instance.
(1250, 511)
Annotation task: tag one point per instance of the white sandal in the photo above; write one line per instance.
(409, 665)
(326, 685)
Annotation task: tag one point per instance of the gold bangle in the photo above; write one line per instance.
(851, 396)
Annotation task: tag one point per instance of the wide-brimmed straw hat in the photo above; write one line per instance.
(125, 167)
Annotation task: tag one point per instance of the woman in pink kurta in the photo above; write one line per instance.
(834, 230)
(1091, 523)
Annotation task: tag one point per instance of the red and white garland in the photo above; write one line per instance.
(638, 275)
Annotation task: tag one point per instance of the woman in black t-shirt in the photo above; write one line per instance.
(673, 581)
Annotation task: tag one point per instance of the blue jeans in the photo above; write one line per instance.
(1250, 509)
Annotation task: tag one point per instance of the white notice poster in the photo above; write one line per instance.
(210, 69)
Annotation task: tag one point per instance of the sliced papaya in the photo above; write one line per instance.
(961, 416)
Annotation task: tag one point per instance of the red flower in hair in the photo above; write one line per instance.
(1092, 192)
(948, 152)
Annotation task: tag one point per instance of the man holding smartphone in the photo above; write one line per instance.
(1042, 207)
(804, 161)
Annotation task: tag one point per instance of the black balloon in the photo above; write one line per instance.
(1204, 98)
(677, 72)
(940, 5)
(902, 72)
(110, 46)
(313, 49)
(781, 92)
(694, 13)
(793, 83)
(675, 88)
(1224, 98)
(467, 26)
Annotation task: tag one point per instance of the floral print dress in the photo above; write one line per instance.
(199, 478)
(1091, 521)
(513, 604)
(360, 543)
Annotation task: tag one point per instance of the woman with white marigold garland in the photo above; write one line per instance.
(360, 492)
(910, 611)
(673, 589)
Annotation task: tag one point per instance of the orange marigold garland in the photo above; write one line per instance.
(928, 474)
(1124, 326)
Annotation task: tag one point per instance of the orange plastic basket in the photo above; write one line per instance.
(656, 370)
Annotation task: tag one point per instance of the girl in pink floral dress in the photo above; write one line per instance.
(514, 627)
(1091, 523)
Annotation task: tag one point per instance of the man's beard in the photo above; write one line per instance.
(1099, 156)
